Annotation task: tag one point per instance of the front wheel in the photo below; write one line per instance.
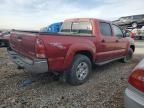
(79, 71)
(128, 57)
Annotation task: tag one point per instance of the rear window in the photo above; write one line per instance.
(77, 28)
(137, 17)
(82, 28)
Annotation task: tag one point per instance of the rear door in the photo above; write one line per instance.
(106, 45)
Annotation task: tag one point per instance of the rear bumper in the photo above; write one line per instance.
(33, 66)
(133, 100)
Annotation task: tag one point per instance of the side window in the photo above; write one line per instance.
(105, 29)
(117, 31)
(137, 17)
(66, 27)
(82, 28)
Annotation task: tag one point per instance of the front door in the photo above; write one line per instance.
(121, 42)
(106, 45)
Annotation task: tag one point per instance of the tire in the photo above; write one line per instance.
(79, 71)
(134, 24)
(140, 37)
(128, 57)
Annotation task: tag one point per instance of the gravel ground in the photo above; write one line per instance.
(105, 89)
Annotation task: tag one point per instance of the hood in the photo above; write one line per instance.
(131, 41)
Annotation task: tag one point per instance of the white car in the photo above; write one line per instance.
(134, 93)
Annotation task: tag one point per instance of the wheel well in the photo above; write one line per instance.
(86, 53)
(134, 22)
(132, 47)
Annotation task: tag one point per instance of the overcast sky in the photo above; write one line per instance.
(34, 14)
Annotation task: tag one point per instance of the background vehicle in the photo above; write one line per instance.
(134, 94)
(54, 28)
(4, 39)
(139, 33)
(79, 44)
(129, 33)
(135, 21)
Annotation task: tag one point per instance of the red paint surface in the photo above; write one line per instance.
(61, 49)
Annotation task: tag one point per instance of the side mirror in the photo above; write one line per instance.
(126, 35)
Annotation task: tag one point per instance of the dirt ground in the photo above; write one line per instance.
(105, 88)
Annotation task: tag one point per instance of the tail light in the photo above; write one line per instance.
(132, 35)
(137, 80)
(40, 49)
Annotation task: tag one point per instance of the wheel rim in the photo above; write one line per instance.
(82, 71)
(134, 25)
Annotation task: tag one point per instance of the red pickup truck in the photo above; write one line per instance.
(79, 44)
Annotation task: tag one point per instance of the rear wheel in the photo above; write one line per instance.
(79, 71)
(128, 57)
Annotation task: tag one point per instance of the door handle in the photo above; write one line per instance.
(103, 40)
(19, 39)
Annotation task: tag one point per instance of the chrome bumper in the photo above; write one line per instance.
(33, 66)
(133, 100)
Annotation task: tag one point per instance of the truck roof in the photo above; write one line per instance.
(85, 19)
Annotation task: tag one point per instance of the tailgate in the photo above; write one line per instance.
(23, 43)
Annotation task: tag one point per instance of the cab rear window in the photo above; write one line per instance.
(77, 28)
